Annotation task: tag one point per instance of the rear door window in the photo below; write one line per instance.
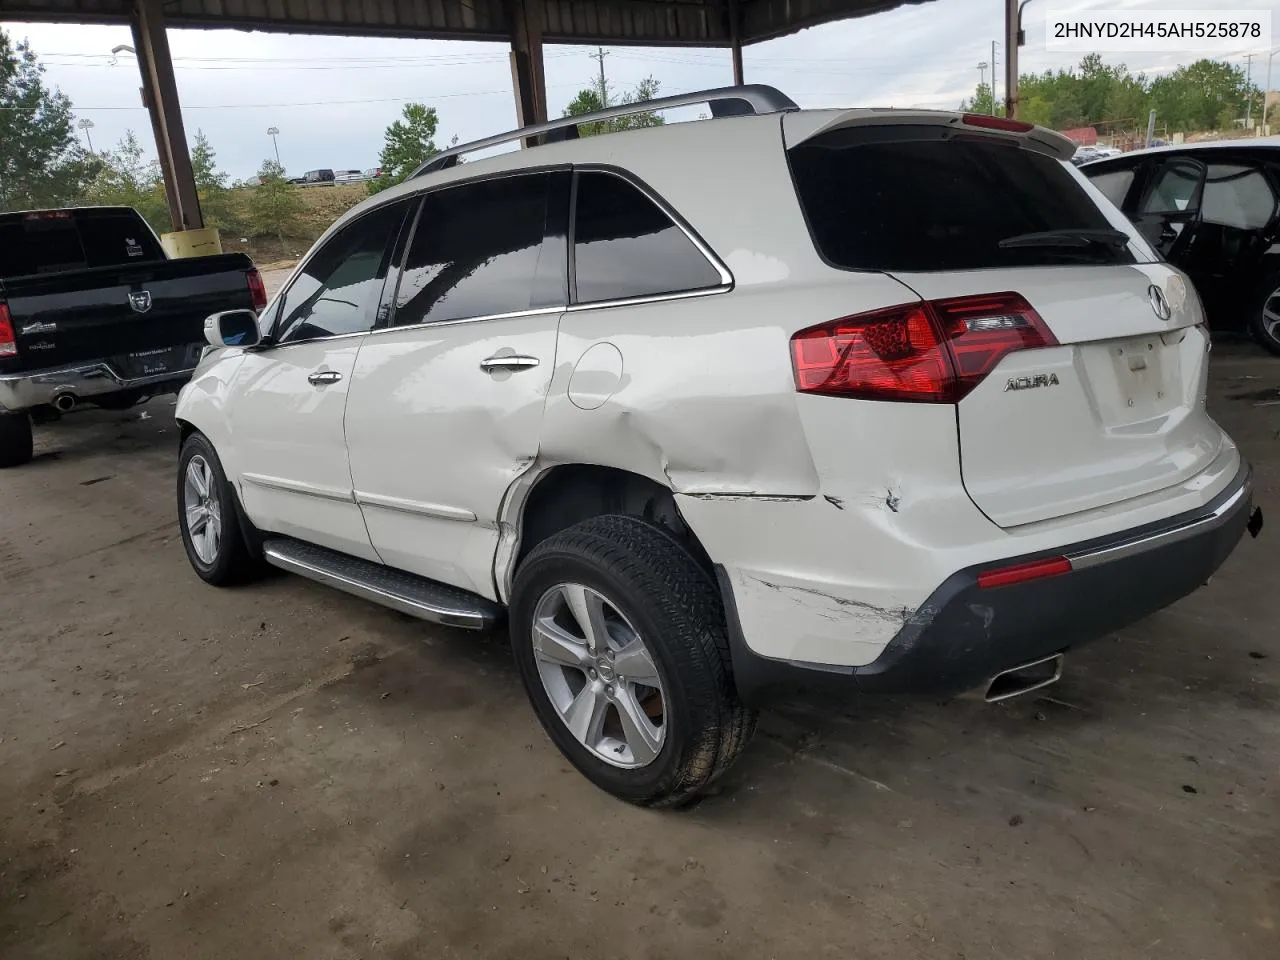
(1237, 196)
(920, 198)
(626, 246)
(1174, 188)
(1114, 184)
(487, 248)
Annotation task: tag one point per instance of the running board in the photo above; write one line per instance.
(405, 592)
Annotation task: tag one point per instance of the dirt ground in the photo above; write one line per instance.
(282, 771)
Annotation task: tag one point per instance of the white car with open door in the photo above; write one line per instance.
(712, 412)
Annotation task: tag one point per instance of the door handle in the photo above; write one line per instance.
(509, 362)
(321, 377)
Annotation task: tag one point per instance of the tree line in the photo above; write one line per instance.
(1201, 96)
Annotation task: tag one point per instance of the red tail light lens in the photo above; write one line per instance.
(257, 289)
(927, 352)
(1022, 572)
(8, 342)
(989, 122)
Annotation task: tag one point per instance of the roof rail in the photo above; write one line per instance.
(748, 100)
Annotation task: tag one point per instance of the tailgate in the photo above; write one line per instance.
(1115, 411)
(1074, 361)
(123, 313)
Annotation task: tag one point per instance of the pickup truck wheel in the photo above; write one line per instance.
(15, 439)
(208, 514)
(620, 639)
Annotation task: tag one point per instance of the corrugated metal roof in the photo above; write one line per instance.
(648, 22)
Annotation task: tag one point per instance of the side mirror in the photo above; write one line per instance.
(232, 328)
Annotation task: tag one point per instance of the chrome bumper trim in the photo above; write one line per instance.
(1183, 530)
(22, 391)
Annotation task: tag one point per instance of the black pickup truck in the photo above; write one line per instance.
(93, 312)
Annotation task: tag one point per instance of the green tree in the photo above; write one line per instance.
(274, 205)
(125, 177)
(1204, 94)
(409, 143)
(211, 186)
(41, 164)
(982, 101)
(597, 98)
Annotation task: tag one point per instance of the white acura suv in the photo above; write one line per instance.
(780, 401)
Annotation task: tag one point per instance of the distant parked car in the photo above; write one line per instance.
(373, 173)
(318, 178)
(1211, 209)
(348, 176)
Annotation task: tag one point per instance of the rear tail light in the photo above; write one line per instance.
(257, 289)
(1022, 572)
(928, 352)
(8, 342)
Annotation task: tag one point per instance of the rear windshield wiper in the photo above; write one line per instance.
(1078, 238)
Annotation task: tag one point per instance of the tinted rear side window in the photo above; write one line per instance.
(920, 198)
(626, 246)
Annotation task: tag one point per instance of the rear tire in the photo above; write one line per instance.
(659, 740)
(16, 443)
(1264, 318)
(209, 517)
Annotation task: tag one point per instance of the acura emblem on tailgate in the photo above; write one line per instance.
(140, 301)
(1159, 305)
(1031, 383)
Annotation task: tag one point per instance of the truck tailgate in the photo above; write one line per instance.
(119, 311)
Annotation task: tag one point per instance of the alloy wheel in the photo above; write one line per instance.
(202, 510)
(599, 675)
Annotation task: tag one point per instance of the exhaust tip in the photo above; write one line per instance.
(64, 402)
(1024, 679)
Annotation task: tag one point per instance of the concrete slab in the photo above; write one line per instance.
(280, 770)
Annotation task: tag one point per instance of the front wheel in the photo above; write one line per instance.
(209, 517)
(1264, 320)
(620, 639)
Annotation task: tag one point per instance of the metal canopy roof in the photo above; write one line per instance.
(704, 23)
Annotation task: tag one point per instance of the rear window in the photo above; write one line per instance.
(73, 240)
(921, 198)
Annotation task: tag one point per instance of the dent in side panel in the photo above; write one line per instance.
(704, 403)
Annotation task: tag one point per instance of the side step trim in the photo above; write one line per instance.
(405, 592)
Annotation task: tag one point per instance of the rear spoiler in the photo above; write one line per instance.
(802, 126)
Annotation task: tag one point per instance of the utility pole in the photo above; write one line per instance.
(1013, 39)
(1248, 92)
(1266, 94)
(993, 78)
(274, 132)
(599, 56)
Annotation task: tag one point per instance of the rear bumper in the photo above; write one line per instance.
(23, 391)
(964, 635)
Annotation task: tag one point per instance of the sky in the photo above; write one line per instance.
(332, 97)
